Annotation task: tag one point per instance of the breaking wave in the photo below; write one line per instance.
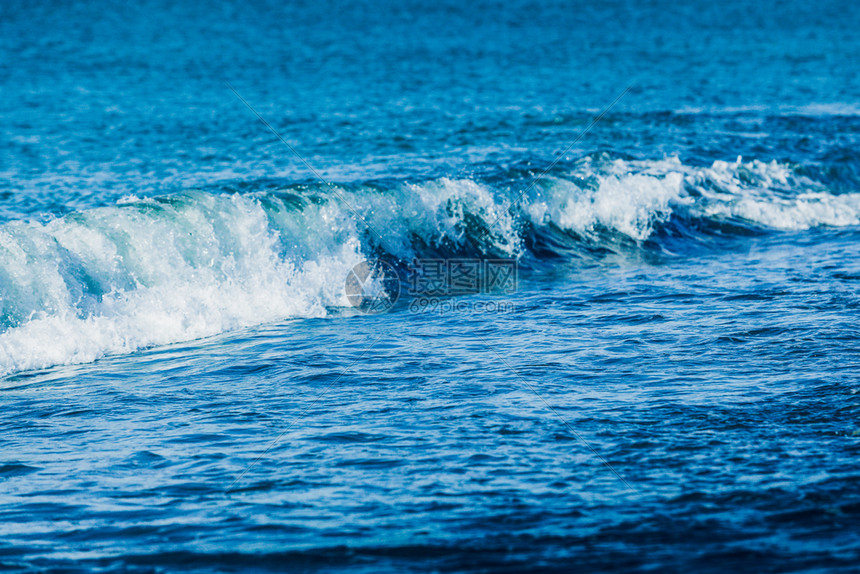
(155, 271)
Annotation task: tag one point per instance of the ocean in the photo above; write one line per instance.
(429, 287)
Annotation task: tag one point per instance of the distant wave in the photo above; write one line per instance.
(162, 270)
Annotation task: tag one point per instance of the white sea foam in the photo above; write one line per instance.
(439, 212)
(770, 194)
(114, 280)
(630, 203)
(631, 197)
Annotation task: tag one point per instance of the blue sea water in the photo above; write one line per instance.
(672, 385)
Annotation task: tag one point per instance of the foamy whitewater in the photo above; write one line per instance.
(169, 269)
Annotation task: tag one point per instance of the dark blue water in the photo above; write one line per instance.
(670, 384)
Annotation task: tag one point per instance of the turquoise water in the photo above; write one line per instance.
(669, 384)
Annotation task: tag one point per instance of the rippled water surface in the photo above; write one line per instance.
(672, 385)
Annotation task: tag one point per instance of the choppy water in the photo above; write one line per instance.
(671, 386)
